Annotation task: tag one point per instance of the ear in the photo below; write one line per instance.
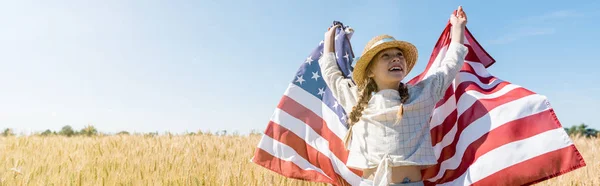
(370, 73)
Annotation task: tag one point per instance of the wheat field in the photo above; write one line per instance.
(173, 160)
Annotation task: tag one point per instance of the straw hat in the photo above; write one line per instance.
(377, 44)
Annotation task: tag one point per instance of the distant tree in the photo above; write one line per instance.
(123, 133)
(89, 131)
(67, 131)
(8, 132)
(254, 132)
(47, 132)
(582, 130)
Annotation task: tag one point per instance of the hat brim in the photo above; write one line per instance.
(360, 70)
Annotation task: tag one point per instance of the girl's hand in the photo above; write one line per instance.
(458, 18)
(328, 42)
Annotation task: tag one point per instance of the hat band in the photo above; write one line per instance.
(381, 41)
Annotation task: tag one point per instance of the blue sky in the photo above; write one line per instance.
(210, 65)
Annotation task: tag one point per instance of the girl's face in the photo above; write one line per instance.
(388, 68)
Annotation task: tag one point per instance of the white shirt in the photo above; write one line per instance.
(376, 140)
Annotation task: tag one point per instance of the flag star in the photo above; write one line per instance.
(337, 36)
(337, 55)
(321, 43)
(316, 76)
(347, 57)
(309, 60)
(321, 91)
(335, 105)
(300, 80)
(343, 118)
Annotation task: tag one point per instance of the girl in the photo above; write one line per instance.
(388, 137)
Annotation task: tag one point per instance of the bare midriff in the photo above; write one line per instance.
(398, 173)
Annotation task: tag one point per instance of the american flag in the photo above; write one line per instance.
(485, 131)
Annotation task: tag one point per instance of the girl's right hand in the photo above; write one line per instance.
(328, 42)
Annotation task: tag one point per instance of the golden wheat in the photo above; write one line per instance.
(173, 160)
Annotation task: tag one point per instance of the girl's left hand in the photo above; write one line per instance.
(458, 18)
(328, 45)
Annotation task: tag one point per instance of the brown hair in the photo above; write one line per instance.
(364, 95)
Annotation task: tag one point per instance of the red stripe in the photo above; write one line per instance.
(306, 151)
(286, 168)
(537, 169)
(507, 133)
(304, 114)
(477, 110)
(439, 131)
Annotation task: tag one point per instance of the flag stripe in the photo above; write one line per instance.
(305, 115)
(477, 68)
(304, 136)
(287, 168)
(305, 151)
(443, 111)
(334, 125)
(288, 158)
(469, 131)
(537, 169)
(512, 131)
(499, 159)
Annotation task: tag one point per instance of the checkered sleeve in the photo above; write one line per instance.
(449, 67)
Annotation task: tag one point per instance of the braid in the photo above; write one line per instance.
(403, 90)
(404, 96)
(363, 100)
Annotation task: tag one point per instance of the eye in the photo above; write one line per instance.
(399, 54)
(385, 56)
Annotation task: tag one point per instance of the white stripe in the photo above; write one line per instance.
(318, 107)
(467, 99)
(314, 140)
(442, 112)
(479, 69)
(496, 117)
(286, 153)
(512, 154)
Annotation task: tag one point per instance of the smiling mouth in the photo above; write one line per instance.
(396, 69)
